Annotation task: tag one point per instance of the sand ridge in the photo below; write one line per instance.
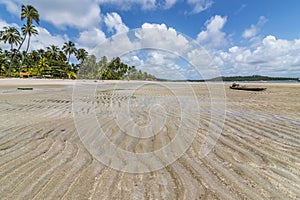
(257, 155)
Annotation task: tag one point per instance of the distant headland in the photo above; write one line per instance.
(239, 78)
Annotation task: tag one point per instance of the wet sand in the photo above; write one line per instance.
(44, 156)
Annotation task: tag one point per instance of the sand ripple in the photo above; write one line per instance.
(257, 156)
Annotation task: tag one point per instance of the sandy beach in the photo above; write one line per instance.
(148, 140)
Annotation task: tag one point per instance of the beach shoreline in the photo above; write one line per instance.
(45, 152)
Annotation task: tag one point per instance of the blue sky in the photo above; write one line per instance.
(234, 37)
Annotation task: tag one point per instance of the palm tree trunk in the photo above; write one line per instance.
(22, 43)
(28, 43)
(27, 48)
(11, 60)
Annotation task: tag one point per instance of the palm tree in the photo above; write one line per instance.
(69, 48)
(32, 59)
(62, 56)
(42, 66)
(81, 54)
(30, 13)
(3, 62)
(53, 52)
(12, 36)
(28, 29)
(41, 53)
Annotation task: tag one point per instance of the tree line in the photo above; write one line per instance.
(110, 70)
(54, 62)
(252, 78)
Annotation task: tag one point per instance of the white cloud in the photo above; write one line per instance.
(3, 24)
(169, 3)
(11, 6)
(161, 37)
(128, 4)
(203, 63)
(197, 5)
(114, 22)
(272, 56)
(115, 46)
(254, 29)
(213, 35)
(154, 48)
(90, 38)
(155, 36)
(200, 5)
(86, 14)
(45, 39)
(162, 64)
(269, 55)
(133, 59)
(72, 13)
(67, 13)
(250, 32)
(42, 40)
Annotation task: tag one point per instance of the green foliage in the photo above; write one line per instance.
(113, 70)
(69, 49)
(251, 78)
(30, 13)
(134, 74)
(81, 54)
(54, 61)
(72, 75)
(12, 36)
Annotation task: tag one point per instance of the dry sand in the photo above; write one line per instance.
(44, 156)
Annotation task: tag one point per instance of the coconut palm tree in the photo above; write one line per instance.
(32, 59)
(81, 54)
(69, 48)
(53, 52)
(30, 13)
(12, 36)
(3, 62)
(41, 53)
(29, 29)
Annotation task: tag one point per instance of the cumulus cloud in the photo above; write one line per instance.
(67, 13)
(273, 57)
(45, 39)
(197, 5)
(254, 29)
(269, 56)
(169, 3)
(203, 63)
(161, 37)
(3, 24)
(115, 46)
(128, 4)
(114, 23)
(89, 39)
(40, 41)
(160, 63)
(154, 48)
(85, 14)
(200, 5)
(149, 36)
(11, 6)
(213, 35)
